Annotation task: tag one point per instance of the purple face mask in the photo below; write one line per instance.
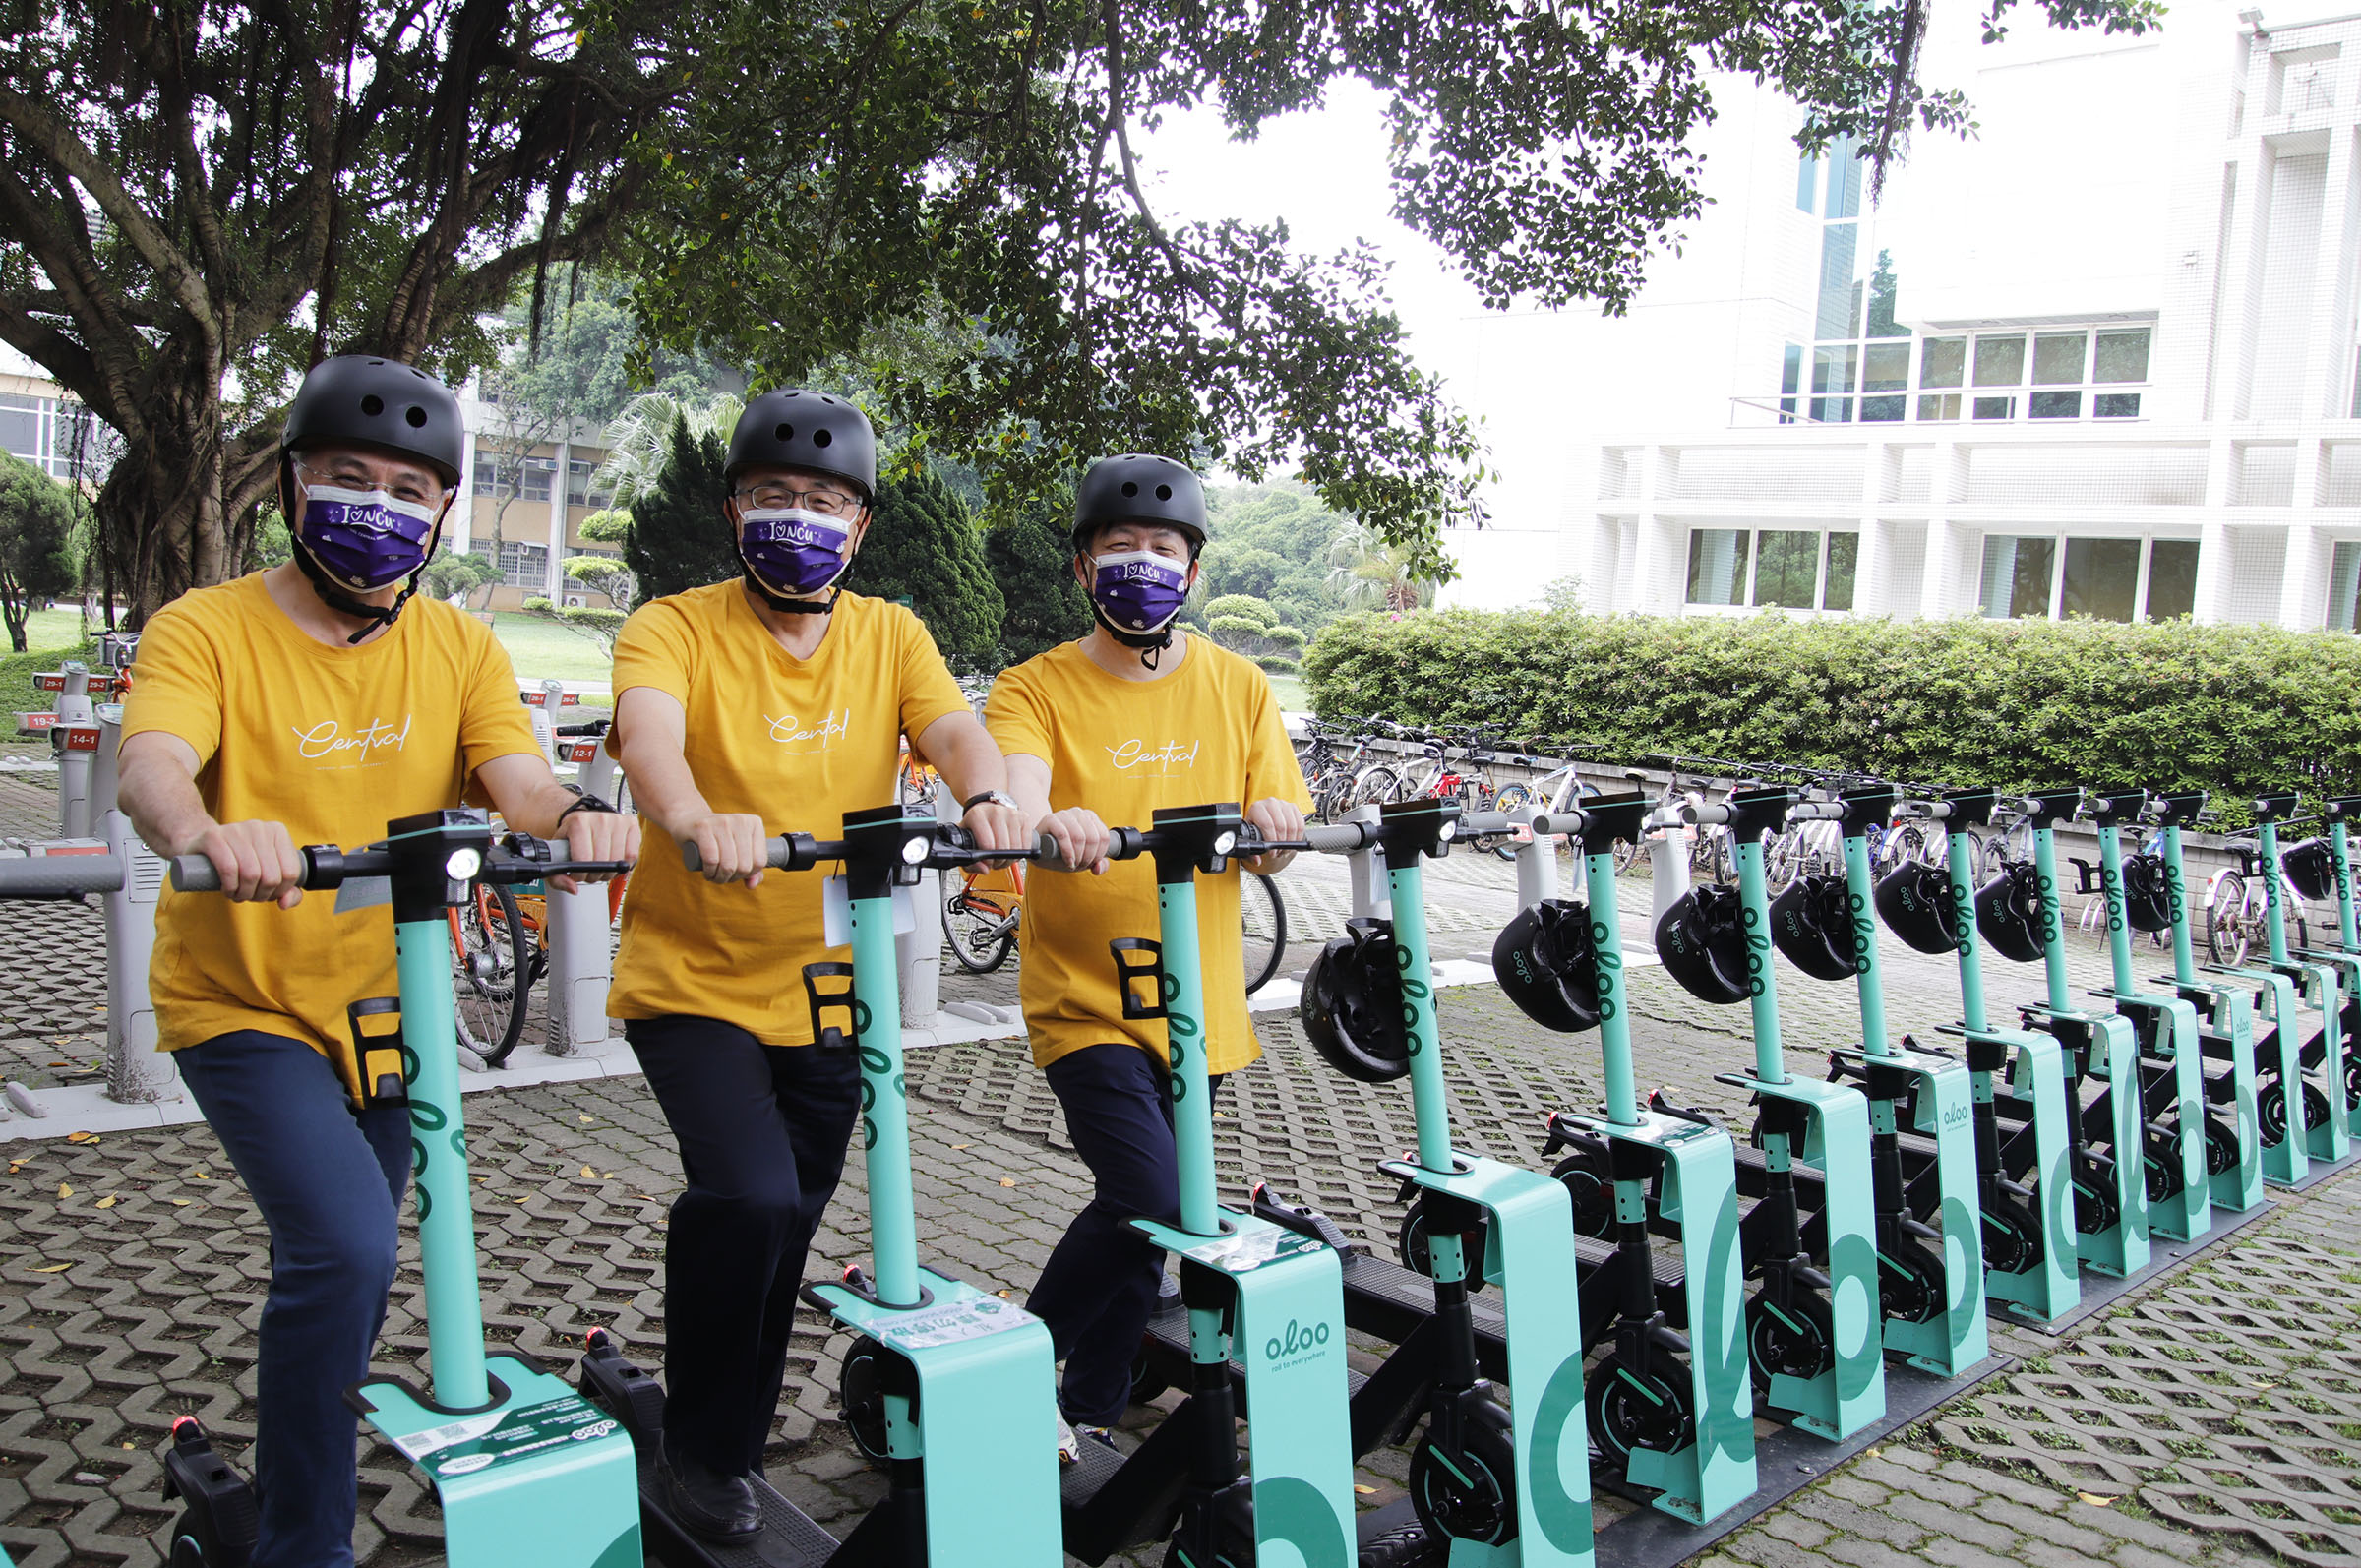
(1138, 590)
(365, 540)
(794, 551)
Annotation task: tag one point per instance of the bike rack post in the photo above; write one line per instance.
(137, 1072)
(919, 950)
(1536, 859)
(1370, 901)
(581, 953)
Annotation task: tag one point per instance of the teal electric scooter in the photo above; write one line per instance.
(1673, 1413)
(526, 1470)
(2225, 1013)
(966, 1392)
(1812, 1335)
(2296, 1112)
(2173, 1138)
(2335, 856)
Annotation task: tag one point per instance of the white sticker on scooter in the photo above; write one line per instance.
(836, 912)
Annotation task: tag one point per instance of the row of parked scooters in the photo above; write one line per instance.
(1855, 1235)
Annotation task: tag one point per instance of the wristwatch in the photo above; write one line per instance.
(585, 801)
(989, 797)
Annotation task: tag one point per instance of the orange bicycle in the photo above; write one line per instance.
(979, 919)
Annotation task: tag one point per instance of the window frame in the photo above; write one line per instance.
(2060, 540)
(1748, 590)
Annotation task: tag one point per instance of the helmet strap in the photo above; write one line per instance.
(781, 604)
(1150, 644)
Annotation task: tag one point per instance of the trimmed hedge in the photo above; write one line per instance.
(2235, 710)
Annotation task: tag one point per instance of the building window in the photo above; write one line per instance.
(578, 485)
(45, 433)
(1992, 376)
(538, 472)
(2043, 576)
(522, 566)
(1794, 569)
(2344, 586)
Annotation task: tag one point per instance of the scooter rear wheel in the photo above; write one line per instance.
(1910, 1283)
(861, 1397)
(1593, 1190)
(2011, 1237)
(1482, 1504)
(2221, 1147)
(1799, 1338)
(2160, 1161)
(1630, 1410)
(2270, 1112)
(2095, 1208)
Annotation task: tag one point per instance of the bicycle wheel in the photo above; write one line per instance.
(2225, 921)
(492, 962)
(979, 937)
(1264, 916)
(1375, 787)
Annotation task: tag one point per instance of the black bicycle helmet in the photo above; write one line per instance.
(1547, 962)
(1812, 924)
(1138, 487)
(1351, 1004)
(793, 428)
(2147, 896)
(1914, 898)
(2311, 867)
(2008, 911)
(1702, 941)
(379, 402)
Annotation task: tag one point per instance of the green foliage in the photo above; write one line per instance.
(37, 556)
(1246, 625)
(605, 575)
(1031, 562)
(2019, 704)
(1277, 664)
(922, 545)
(1563, 594)
(679, 538)
(455, 571)
(1271, 542)
(611, 526)
(1242, 607)
(600, 625)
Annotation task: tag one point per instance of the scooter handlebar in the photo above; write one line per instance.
(60, 876)
(1548, 824)
(1697, 816)
(1815, 811)
(1481, 824)
(1938, 811)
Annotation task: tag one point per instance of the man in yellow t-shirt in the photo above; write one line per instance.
(300, 704)
(1106, 730)
(768, 705)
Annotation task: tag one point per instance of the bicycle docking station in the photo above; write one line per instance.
(579, 932)
(2303, 1140)
(2225, 1015)
(2346, 955)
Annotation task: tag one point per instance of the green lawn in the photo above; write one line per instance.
(1293, 698)
(47, 630)
(543, 650)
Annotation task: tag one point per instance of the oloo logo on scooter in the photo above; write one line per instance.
(1294, 1346)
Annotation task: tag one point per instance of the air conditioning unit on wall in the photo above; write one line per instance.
(574, 601)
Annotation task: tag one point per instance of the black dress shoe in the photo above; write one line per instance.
(719, 1508)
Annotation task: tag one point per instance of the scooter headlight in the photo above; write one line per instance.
(463, 864)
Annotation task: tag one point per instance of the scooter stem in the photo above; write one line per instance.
(1870, 985)
(1762, 984)
(2054, 942)
(1963, 903)
(454, 1308)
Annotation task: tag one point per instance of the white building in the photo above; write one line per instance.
(2112, 370)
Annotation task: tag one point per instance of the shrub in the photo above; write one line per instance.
(2234, 710)
(1277, 664)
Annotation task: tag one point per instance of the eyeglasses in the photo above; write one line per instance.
(402, 487)
(779, 498)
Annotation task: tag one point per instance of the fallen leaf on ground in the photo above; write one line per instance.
(106, 1202)
(81, 1137)
(590, 1175)
(1008, 1180)
(585, 1121)
(64, 1191)
(606, 1176)
(180, 1203)
(2095, 1499)
(199, 1175)
(1363, 1490)
(14, 1165)
(54, 1268)
(962, 1145)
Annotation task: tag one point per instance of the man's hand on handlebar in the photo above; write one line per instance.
(597, 837)
(731, 847)
(997, 826)
(256, 861)
(1082, 840)
(1280, 822)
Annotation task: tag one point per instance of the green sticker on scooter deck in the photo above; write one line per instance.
(1955, 1337)
(1291, 1339)
(1528, 1254)
(547, 1479)
(2052, 1286)
(987, 1418)
(2187, 1214)
(2288, 1160)
(1699, 1187)
(1851, 1394)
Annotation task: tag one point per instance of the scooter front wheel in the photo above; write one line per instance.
(1592, 1186)
(861, 1397)
(1633, 1408)
(1799, 1338)
(2012, 1236)
(1909, 1286)
(1419, 1258)
(1470, 1497)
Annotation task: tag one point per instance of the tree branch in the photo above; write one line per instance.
(1117, 85)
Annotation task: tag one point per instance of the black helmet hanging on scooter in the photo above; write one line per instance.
(1812, 924)
(1351, 1004)
(2147, 894)
(1547, 962)
(1914, 899)
(2311, 868)
(2008, 911)
(1702, 941)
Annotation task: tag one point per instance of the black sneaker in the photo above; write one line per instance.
(719, 1508)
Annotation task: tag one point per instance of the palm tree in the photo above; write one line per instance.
(1372, 573)
(640, 439)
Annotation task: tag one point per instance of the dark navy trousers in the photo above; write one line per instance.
(1099, 1286)
(330, 1183)
(762, 1131)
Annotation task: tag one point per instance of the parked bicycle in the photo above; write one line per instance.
(981, 916)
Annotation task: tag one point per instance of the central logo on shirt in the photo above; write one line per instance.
(817, 736)
(1133, 756)
(329, 739)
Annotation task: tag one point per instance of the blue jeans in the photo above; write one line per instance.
(1099, 1286)
(762, 1131)
(330, 1183)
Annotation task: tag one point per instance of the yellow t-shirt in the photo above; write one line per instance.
(334, 743)
(1210, 731)
(798, 742)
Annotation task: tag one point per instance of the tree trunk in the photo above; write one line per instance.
(163, 519)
